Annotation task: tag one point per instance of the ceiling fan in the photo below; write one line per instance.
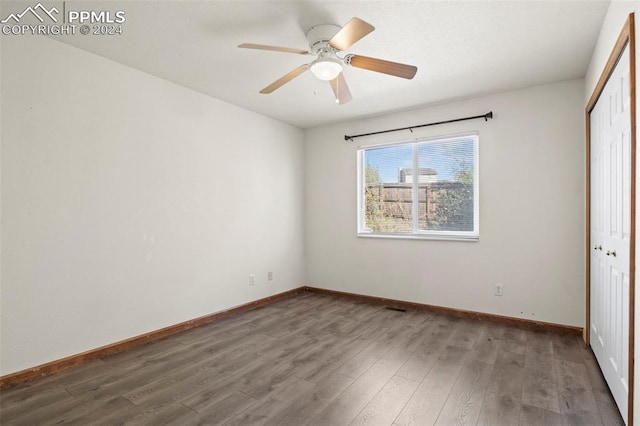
(327, 42)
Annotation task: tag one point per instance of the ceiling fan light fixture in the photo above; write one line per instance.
(326, 69)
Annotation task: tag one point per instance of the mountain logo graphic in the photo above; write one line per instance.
(34, 11)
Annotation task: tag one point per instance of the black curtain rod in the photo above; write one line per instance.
(486, 117)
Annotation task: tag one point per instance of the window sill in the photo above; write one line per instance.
(474, 238)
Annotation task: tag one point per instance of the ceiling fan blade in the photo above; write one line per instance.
(273, 48)
(379, 65)
(340, 89)
(284, 79)
(355, 29)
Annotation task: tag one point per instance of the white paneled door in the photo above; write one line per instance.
(610, 230)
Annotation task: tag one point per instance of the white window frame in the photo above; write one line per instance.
(417, 233)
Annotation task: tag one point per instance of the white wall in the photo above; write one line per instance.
(617, 15)
(130, 203)
(531, 211)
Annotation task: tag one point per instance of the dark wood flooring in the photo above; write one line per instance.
(322, 360)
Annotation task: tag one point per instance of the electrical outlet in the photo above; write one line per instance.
(252, 279)
(498, 290)
(269, 276)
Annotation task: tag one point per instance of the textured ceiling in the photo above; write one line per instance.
(461, 49)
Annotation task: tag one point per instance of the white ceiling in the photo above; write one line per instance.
(461, 49)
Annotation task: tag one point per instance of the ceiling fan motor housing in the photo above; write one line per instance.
(318, 37)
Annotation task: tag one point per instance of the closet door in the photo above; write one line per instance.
(610, 230)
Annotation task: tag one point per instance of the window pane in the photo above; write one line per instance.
(446, 185)
(387, 193)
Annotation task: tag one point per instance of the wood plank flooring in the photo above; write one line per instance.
(323, 360)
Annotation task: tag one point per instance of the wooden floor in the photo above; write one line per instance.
(322, 360)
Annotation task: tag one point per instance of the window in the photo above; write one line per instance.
(422, 189)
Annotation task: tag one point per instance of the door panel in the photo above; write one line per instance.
(610, 229)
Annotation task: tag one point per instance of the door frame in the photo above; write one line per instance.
(626, 38)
